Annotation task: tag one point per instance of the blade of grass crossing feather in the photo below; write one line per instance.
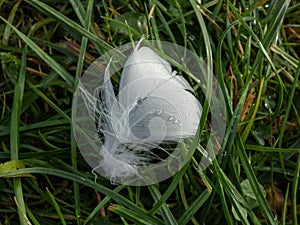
(194, 165)
(179, 175)
(176, 177)
(44, 56)
(165, 211)
(15, 135)
(57, 208)
(254, 183)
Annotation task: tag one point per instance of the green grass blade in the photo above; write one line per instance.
(57, 208)
(51, 103)
(195, 206)
(15, 135)
(284, 211)
(271, 149)
(104, 202)
(254, 183)
(295, 192)
(79, 68)
(44, 56)
(289, 105)
(70, 23)
(205, 35)
(184, 201)
(7, 30)
(79, 10)
(79, 178)
(169, 191)
(132, 216)
(32, 217)
(165, 211)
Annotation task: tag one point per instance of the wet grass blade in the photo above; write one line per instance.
(44, 56)
(15, 135)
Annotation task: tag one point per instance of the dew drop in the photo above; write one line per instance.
(177, 121)
(158, 112)
(171, 118)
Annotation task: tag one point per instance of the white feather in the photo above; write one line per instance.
(153, 106)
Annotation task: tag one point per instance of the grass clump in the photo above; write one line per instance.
(252, 47)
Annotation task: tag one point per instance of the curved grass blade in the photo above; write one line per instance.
(165, 211)
(14, 135)
(70, 23)
(44, 56)
(79, 178)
